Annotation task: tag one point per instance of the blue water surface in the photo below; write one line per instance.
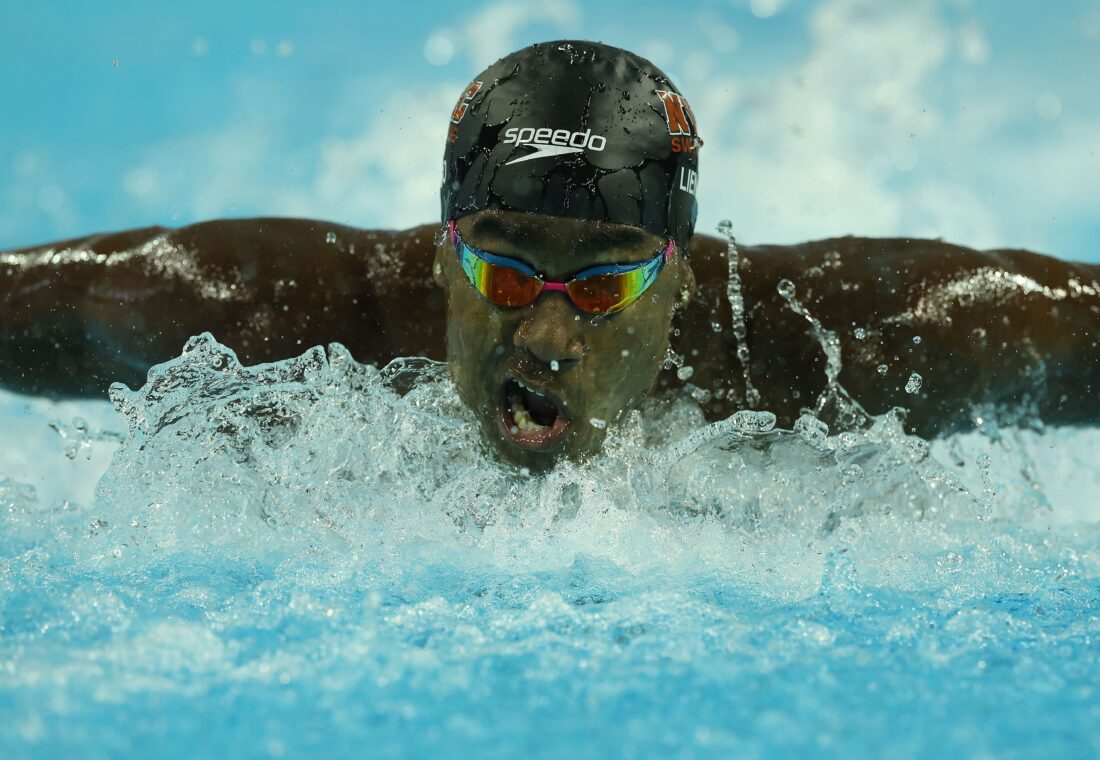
(296, 559)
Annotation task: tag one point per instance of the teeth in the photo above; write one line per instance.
(530, 390)
(525, 423)
(523, 417)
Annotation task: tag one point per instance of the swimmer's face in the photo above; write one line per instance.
(548, 379)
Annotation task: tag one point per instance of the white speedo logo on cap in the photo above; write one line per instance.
(552, 142)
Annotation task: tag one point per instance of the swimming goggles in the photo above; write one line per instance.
(597, 290)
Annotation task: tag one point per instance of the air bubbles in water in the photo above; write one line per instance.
(860, 333)
(916, 340)
(685, 372)
(554, 365)
(882, 369)
(914, 384)
(597, 423)
(785, 288)
(330, 238)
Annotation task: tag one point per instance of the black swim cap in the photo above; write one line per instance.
(575, 129)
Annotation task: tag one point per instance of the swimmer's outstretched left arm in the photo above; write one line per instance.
(1007, 332)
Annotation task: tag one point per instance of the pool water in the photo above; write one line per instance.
(317, 557)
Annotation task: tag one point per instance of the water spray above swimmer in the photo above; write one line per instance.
(563, 273)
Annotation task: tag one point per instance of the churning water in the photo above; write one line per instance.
(316, 556)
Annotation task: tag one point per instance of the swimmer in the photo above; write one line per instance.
(564, 284)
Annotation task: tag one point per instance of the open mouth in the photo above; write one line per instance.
(532, 418)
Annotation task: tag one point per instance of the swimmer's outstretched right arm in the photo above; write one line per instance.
(80, 314)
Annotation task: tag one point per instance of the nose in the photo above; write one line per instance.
(551, 331)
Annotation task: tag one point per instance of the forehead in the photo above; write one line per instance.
(556, 244)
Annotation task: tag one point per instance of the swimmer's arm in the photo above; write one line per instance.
(1005, 335)
(1006, 332)
(78, 315)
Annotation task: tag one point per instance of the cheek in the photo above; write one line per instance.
(473, 337)
(632, 362)
(644, 362)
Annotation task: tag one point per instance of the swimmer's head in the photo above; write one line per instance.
(561, 158)
(577, 130)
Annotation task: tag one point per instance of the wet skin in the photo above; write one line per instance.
(590, 367)
(1004, 329)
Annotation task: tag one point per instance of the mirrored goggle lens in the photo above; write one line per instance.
(601, 294)
(502, 285)
(605, 293)
(598, 294)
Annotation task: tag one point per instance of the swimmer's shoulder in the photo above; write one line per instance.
(892, 263)
(299, 236)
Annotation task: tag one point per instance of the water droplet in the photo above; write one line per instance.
(747, 421)
(685, 372)
(330, 238)
(810, 429)
(950, 562)
(597, 423)
(883, 369)
(672, 359)
(700, 395)
(917, 448)
(914, 384)
(737, 310)
(785, 288)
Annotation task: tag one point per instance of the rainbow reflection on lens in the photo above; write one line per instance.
(597, 290)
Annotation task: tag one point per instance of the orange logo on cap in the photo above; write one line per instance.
(460, 109)
(681, 122)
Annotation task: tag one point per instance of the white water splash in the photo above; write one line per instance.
(315, 531)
